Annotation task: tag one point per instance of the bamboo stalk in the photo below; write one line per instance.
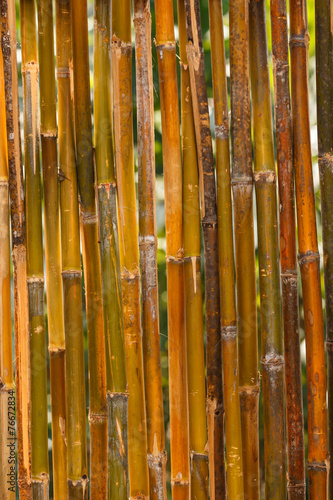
(242, 187)
(172, 166)
(272, 360)
(308, 257)
(55, 316)
(117, 393)
(325, 145)
(16, 189)
(75, 429)
(193, 287)
(148, 251)
(129, 247)
(35, 270)
(289, 272)
(7, 387)
(226, 256)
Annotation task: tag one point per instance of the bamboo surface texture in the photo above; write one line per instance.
(308, 256)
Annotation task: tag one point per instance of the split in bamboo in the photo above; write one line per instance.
(233, 433)
(148, 251)
(242, 187)
(172, 168)
(73, 424)
(308, 257)
(272, 360)
(35, 269)
(91, 255)
(117, 394)
(193, 287)
(289, 273)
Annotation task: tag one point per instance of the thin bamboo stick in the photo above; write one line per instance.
(193, 287)
(172, 166)
(55, 312)
(74, 422)
(129, 246)
(117, 393)
(91, 255)
(242, 187)
(35, 270)
(16, 189)
(272, 360)
(148, 251)
(289, 272)
(308, 257)
(226, 256)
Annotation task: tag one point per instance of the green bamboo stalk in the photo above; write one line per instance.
(91, 255)
(117, 393)
(272, 360)
(35, 270)
(75, 429)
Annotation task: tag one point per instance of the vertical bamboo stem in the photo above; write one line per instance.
(193, 287)
(166, 53)
(242, 187)
(148, 251)
(117, 394)
(289, 273)
(308, 257)
(91, 255)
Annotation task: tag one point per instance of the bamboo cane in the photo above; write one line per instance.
(308, 257)
(35, 271)
(289, 273)
(166, 52)
(193, 287)
(91, 255)
(272, 360)
(226, 256)
(325, 145)
(117, 394)
(242, 187)
(75, 430)
(16, 189)
(129, 248)
(148, 251)
(54, 289)
(7, 392)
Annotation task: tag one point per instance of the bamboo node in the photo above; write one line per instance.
(63, 72)
(265, 177)
(179, 481)
(157, 461)
(308, 257)
(317, 466)
(229, 332)
(57, 352)
(249, 389)
(97, 417)
(299, 40)
(71, 273)
(49, 134)
(130, 275)
(117, 43)
(35, 279)
(239, 181)
(272, 361)
(167, 45)
(222, 131)
(88, 218)
(78, 483)
(329, 345)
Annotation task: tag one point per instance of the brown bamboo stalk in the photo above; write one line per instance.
(242, 187)
(289, 272)
(226, 256)
(308, 258)
(172, 165)
(148, 251)
(193, 286)
(16, 189)
(91, 255)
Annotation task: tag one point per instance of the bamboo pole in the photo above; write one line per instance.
(35, 270)
(226, 256)
(172, 166)
(91, 255)
(55, 311)
(7, 387)
(242, 187)
(289, 272)
(193, 287)
(148, 251)
(325, 145)
(308, 257)
(18, 225)
(129, 246)
(272, 360)
(75, 418)
(117, 393)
